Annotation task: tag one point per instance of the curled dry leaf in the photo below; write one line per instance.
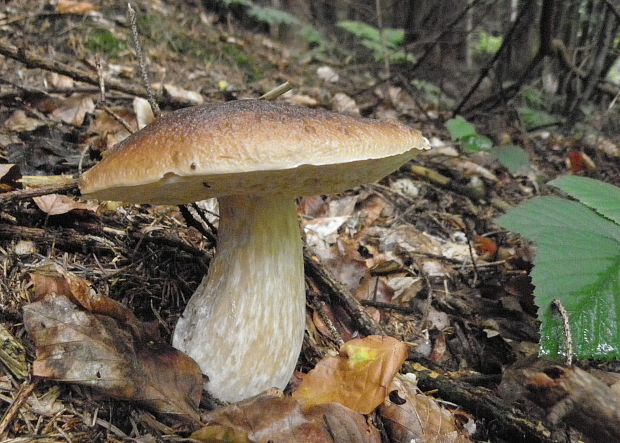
(74, 109)
(143, 111)
(358, 378)
(409, 415)
(277, 419)
(9, 174)
(20, 122)
(344, 104)
(92, 340)
(55, 204)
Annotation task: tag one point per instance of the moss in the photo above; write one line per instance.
(102, 41)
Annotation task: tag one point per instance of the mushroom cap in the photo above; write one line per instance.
(249, 147)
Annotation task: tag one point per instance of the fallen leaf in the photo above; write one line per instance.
(485, 247)
(9, 175)
(274, 418)
(93, 340)
(409, 415)
(74, 7)
(60, 81)
(327, 74)
(358, 378)
(180, 95)
(55, 204)
(20, 122)
(578, 162)
(344, 104)
(301, 100)
(74, 109)
(143, 111)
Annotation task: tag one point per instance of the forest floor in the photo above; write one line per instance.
(419, 251)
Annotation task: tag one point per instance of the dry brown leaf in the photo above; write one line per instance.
(20, 122)
(409, 415)
(358, 378)
(74, 7)
(60, 81)
(344, 104)
(277, 419)
(9, 174)
(55, 204)
(74, 109)
(83, 338)
(180, 95)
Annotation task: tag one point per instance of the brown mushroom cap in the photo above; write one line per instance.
(249, 147)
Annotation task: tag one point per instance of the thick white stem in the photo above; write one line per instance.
(244, 325)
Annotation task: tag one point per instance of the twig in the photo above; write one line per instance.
(23, 194)
(24, 392)
(103, 103)
(192, 222)
(142, 62)
(277, 91)
(568, 338)
(491, 63)
(319, 307)
(508, 421)
(389, 306)
(366, 324)
(34, 61)
(473, 261)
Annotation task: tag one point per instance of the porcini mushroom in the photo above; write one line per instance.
(244, 325)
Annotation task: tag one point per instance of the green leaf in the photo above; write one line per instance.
(272, 16)
(603, 197)
(476, 143)
(533, 118)
(577, 262)
(361, 30)
(460, 128)
(513, 158)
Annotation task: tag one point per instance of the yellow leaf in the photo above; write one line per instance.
(358, 378)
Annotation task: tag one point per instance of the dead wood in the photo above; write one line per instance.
(90, 238)
(575, 397)
(341, 295)
(24, 194)
(32, 60)
(507, 422)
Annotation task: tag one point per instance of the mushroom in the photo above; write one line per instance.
(245, 323)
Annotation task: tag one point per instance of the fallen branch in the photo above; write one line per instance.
(23, 194)
(32, 60)
(341, 295)
(508, 423)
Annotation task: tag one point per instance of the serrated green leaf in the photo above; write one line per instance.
(577, 262)
(460, 128)
(603, 197)
(513, 158)
(476, 143)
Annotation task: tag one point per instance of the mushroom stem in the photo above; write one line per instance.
(245, 323)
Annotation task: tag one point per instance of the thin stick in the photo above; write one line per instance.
(319, 306)
(24, 392)
(277, 91)
(23, 194)
(142, 62)
(492, 62)
(103, 103)
(568, 338)
(34, 61)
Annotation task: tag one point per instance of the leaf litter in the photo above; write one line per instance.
(391, 254)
